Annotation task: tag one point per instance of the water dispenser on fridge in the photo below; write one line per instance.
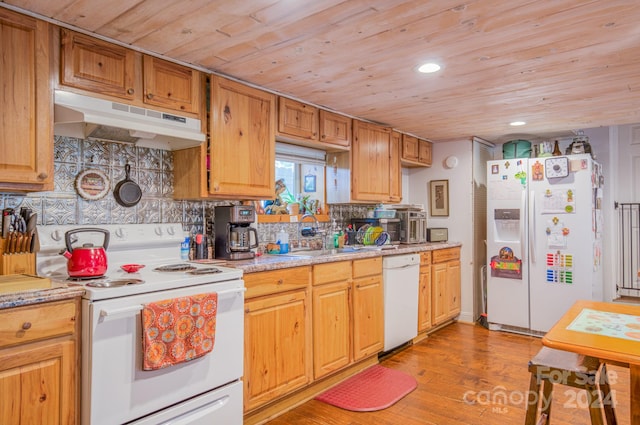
(507, 231)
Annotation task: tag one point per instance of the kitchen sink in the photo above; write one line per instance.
(309, 253)
(312, 253)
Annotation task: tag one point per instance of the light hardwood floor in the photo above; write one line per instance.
(466, 375)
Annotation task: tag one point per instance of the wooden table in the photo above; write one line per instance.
(591, 342)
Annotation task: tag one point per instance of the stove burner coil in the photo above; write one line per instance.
(113, 283)
(208, 270)
(181, 267)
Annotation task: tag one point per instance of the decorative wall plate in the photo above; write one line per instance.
(92, 184)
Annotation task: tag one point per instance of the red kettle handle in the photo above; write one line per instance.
(67, 236)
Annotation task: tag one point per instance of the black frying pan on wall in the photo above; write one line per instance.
(127, 192)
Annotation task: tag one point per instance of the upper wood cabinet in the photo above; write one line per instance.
(242, 147)
(171, 86)
(375, 164)
(108, 69)
(335, 129)
(304, 124)
(395, 168)
(297, 119)
(239, 160)
(26, 133)
(416, 152)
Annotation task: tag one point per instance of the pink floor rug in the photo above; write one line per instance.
(375, 388)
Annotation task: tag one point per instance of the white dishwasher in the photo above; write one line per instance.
(401, 275)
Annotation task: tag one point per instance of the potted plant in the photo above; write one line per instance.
(292, 203)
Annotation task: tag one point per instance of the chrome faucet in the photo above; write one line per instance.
(314, 231)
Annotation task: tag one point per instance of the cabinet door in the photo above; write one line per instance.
(37, 384)
(242, 141)
(424, 300)
(297, 119)
(425, 152)
(98, 66)
(335, 129)
(395, 170)
(440, 304)
(453, 288)
(331, 328)
(368, 316)
(276, 347)
(370, 165)
(410, 148)
(172, 86)
(26, 133)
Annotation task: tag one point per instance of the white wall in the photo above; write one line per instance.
(415, 186)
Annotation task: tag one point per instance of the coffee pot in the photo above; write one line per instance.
(240, 238)
(234, 236)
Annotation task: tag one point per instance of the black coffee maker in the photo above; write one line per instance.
(233, 232)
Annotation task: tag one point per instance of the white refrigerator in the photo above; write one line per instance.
(544, 239)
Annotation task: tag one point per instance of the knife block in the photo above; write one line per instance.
(17, 263)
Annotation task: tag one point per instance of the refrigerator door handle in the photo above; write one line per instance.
(523, 206)
(532, 226)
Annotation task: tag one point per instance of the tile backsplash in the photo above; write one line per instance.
(152, 170)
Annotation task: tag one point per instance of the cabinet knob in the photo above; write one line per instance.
(149, 95)
(26, 325)
(280, 281)
(42, 176)
(130, 91)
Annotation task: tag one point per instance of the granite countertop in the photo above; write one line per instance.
(274, 262)
(62, 290)
(57, 291)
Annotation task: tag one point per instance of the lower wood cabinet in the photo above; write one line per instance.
(439, 290)
(424, 293)
(305, 323)
(368, 308)
(38, 364)
(277, 335)
(445, 285)
(331, 317)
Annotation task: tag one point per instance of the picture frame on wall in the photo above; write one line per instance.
(309, 183)
(439, 198)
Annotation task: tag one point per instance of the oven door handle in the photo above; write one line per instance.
(105, 312)
(109, 312)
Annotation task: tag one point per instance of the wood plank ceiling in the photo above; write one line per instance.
(559, 65)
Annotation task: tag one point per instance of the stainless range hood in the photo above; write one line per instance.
(81, 116)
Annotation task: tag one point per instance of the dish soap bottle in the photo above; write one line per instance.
(283, 240)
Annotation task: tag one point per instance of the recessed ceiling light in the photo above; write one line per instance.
(517, 123)
(428, 68)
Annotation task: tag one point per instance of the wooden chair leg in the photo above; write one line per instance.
(607, 397)
(547, 394)
(532, 400)
(595, 404)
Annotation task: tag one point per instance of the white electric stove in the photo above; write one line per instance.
(115, 388)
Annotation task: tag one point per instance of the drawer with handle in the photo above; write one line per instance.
(446, 254)
(35, 322)
(274, 281)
